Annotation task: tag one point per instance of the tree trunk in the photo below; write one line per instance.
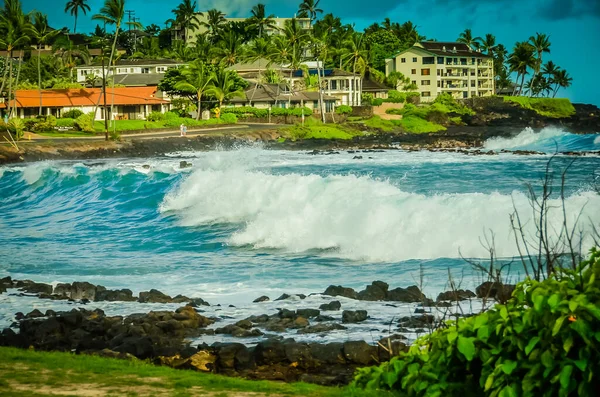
(17, 81)
(5, 73)
(40, 78)
(321, 107)
(199, 112)
(516, 84)
(75, 26)
(10, 85)
(353, 75)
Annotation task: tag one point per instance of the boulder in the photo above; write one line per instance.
(154, 296)
(299, 354)
(34, 314)
(263, 298)
(500, 292)
(329, 354)
(195, 302)
(286, 313)
(234, 356)
(338, 290)
(458, 295)
(36, 288)
(360, 352)
(203, 361)
(308, 313)
(245, 324)
(391, 346)
(287, 296)
(408, 295)
(121, 295)
(300, 322)
(354, 316)
(375, 292)
(269, 352)
(331, 306)
(321, 328)
(78, 290)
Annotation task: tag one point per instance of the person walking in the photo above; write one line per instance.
(181, 129)
(184, 130)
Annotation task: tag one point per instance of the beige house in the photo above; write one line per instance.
(149, 70)
(190, 34)
(437, 67)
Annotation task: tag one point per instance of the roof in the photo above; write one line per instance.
(139, 80)
(260, 64)
(450, 48)
(139, 62)
(325, 72)
(87, 97)
(369, 85)
(272, 93)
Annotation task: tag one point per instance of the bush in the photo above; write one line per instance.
(394, 111)
(547, 107)
(171, 115)
(397, 96)
(16, 127)
(65, 123)
(413, 97)
(156, 116)
(72, 114)
(417, 125)
(377, 102)
(29, 124)
(229, 118)
(343, 109)
(446, 103)
(543, 342)
(46, 124)
(291, 112)
(246, 111)
(85, 123)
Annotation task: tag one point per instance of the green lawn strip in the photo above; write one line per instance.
(320, 131)
(548, 107)
(74, 134)
(40, 369)
(417, 125)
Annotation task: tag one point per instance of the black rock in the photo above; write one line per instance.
(338, 290)
(263, 298)
(34, 314)
(360, 352)
(37, 288)
(408, 295)
(308, 313)
(154, 296)
(286, 313)
(458, 295)
(321, 328)
(331, 306)
(122, 295)
(330, 353)
(375, 292)
(269, 352)
(351, 316)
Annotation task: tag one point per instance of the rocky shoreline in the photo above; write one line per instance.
(258, 346)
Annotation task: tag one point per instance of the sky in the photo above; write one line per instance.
(573, 25)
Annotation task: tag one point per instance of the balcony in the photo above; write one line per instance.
(484, 65)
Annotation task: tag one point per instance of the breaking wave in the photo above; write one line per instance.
(548, 140)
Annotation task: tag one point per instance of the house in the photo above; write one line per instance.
(155, 69)
(437, 67)
(346, 87)
(177, 32)
(375, 88)
(265, 96)
(128, 103)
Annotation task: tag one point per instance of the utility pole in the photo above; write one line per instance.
(135, 20)
(130, 13)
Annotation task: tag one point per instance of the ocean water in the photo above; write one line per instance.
(248, 222)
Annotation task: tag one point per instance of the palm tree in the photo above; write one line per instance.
(152, 29)
(408, 34)
(561, 80)
(184, 16)
(15, 31)
(260, 20)
(74, 6)
(309, 9)
(229, 49)
(68, 54)
(215, 20)
(355, 52)
(112, 13)
(467, 38)
(223, 86)
(257, 51)
(195, 80)
(520, 60)
(42, 35)
(541, 44)
(488, 44)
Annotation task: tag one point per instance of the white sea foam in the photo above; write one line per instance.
(597, 140)
(355, 217)
(527, 137)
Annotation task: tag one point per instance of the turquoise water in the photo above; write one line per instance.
(248, 222)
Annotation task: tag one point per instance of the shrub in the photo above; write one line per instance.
(291, 112)
(72, 114)
(417, 125)
(437, 116)
(246, 111)
(16, 127)
(394, 111)
(46, 124)
(156, 116)
(397, 96)
(377, 102)
(171, 115)
(85, 122)
(446, 103)
(413, 97)
(547, 107)
(343, 109)
(228, 118)
(543, 342)
(29, 124)
(367, 97)
(65, 123)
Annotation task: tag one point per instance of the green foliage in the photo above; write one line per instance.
(16, 126)
(394, 111)
(315, 129)
(451, 105)
(85, 123)
(65, 123)
(417, 125)
(343, 109)
(378, 123)
(229, 118)
(548, 107)
(291, 112)
(156, 116)
(246, 111)
(72, 114)
(377, 102)
(46, 124)
(544, 342)
(114, 135)
(396, 96)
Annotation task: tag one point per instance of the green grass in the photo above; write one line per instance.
(417, 125)
(30, 373)
(547, 107)
(315, 129)
(129, 125)
(73, 134)
(378, 123)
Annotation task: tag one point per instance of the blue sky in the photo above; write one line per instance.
(573, 25)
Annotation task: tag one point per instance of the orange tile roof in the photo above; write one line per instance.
(87, 97)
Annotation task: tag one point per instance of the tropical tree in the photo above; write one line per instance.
(540, 43)
(260, 21)
(258, 51)
(309, 9)
(185, 14)
(520, 60)
(229, 49)
(215, 20)
(15, 32)
(467, 38)
(561, 79)
(152, 29)
(195, 80)
(112, 13)
(42, 35)
(223, 86)
(488, 44)
(74, 7)
(355, 52)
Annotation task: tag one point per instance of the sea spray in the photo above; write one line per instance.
(549, 140)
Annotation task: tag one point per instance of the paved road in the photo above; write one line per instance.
(161, 134)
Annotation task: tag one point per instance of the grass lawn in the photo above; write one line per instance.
(73, 134)
(129, 125)
(30, 373)
(417, 125)
(317, 130)
(548, 107)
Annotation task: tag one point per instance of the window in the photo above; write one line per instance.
(413, 71)
(415, 59)
(161, 69)
(334, 84)
(463, 61)
(439, 84)
(465, 94)
(425, 82)
(472, 61)
(425, 72)
(473, 83)
(403, 60)
(428, 60)
(145, 70)
(131, 70)
(122, 70)
(440, 60)
(426, 94)
(414, 82)
(456, 61)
